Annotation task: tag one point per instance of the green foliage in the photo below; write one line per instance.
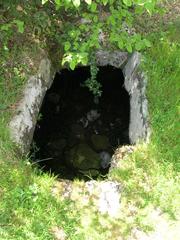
(18, 23)
(92, 83)
(79, 27)
(91, 25)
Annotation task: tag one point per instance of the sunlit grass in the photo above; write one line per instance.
(151, 174)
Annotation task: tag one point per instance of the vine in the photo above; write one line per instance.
(92, 83)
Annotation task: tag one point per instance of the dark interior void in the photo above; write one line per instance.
(72, 125)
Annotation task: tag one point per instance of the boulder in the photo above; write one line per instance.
(100, 142)
(105, 159)
(106, 196)
(83, 158)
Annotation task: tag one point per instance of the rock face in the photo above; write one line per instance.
(108, 196)
(116, 59)
(23, 123)
(105, 196)
(82, 157)
(135, 84)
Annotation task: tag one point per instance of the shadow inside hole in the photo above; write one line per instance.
(76, 136)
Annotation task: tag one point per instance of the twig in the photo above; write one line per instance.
(42, 160)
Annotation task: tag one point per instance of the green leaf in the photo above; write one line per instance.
(20, 25)
(84, 60)
(120, 44)
(127, 2)
(138, 46)
(72, 64)
(95, 19)
(67, 46)
(58, 4)
(129, 47)
(147, 43)
(5, 27)
(76, 3)
(93, 7)
(149, 7)
(105, 2)
(67, 58)
(88, 2)
(44, 1)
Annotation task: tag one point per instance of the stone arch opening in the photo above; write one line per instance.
(26, 118)
(75, 135)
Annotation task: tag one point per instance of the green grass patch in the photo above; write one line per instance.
(151, 174)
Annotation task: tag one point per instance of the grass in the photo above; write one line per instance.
(150, 176)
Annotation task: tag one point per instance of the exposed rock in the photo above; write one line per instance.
(135, 83)
(83, 157)
(119, 154)
(116, 59)
(107, 197)
(105, 159)
(164, 227)
(23, 123)
(62, 188)
(100, 142)
(58, 233)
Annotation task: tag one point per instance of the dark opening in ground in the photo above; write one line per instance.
(75, 136)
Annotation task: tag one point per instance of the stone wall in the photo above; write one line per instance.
(135, 83)
(23, 123)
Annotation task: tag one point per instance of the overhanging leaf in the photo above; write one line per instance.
(72, 65)
(67, 46)
(76, 3)
(88, 2)
(105, 2)
(44, 1)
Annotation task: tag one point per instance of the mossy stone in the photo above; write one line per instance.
(100, 142)
(83, 157)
